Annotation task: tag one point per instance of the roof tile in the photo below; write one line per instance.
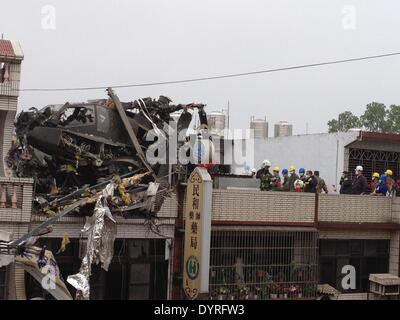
(6, 48)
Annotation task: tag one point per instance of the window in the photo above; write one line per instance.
(3, 283)
(366, 256)
(139, 284)
(77, 116)
(4, 72)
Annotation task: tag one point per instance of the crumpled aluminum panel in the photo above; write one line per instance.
(101, 230)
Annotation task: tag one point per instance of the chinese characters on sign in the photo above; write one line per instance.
(192, 261)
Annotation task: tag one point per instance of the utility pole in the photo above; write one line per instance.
(228, 120)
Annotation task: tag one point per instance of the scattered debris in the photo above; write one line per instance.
(64, 242)
(88, 159)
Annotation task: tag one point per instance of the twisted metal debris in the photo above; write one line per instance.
(88, 159)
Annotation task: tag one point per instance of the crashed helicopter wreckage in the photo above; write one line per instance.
(74, 146)
(88, 159)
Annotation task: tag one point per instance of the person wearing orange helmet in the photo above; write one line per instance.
(391, 183)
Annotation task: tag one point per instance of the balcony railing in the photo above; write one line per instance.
(15, 199)
(287, 208)
(268, 207)
(354, 209)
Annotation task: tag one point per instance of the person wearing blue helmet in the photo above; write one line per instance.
(382, 187)
(302, 173)
(302, 176)
(286, 180)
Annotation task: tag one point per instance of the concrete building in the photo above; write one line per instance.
(12, 218)
(11, 57)
(260, 127)
(283, 129)
(311, 238)
(216, 123)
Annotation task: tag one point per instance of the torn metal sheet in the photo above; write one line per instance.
(42, 265)
(101, 230)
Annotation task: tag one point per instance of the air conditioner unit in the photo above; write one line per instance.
(384, 284)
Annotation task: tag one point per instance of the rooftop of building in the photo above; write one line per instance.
(10, 50)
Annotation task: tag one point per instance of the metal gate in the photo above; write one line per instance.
(263, 263)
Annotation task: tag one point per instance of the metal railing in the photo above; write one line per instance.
(263, 263)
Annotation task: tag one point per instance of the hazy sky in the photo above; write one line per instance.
(100, 43)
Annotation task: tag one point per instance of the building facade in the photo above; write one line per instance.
(283, 129)
(14, 215)
(289, 243)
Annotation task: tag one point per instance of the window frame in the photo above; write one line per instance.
(362, 277)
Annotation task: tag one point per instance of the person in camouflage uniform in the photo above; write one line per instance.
(321, 183)
(265, 176)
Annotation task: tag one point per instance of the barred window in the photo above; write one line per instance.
(263, 263)
(366, 256)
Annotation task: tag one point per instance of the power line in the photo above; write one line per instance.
(233, 75)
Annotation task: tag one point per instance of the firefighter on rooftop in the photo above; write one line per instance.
(265, 176)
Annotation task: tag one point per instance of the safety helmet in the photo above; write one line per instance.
(265, 163)
(253, 170)
(359, 168)
(383, 177)
(389, 172)
(302, 170)
(375, 175)
(299, 182)
(276, 169)
(285, 171)
(292, 168)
